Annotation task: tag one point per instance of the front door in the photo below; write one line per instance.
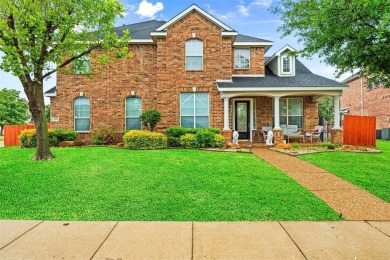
(242, 119)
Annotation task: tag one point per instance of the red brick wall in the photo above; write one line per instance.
(376, 102)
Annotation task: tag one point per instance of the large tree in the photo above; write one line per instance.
(34, 35)
(13, 109)
(352, 35)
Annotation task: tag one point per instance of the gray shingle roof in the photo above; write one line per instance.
(303, 78)
(245, 38)
(140, 30)
(52, 90)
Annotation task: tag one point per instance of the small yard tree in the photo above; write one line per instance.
(150, 118)
(34, 35)
(13, 109)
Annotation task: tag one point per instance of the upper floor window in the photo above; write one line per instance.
(241, 58)
(133, 113)
(286, 64)
(194, 110)
(82, 65)
(82, 114)
(194, 54)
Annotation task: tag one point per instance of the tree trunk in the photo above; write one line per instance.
(36, 104)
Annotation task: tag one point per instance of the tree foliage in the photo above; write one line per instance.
(348, 34)
(150, 118)
(39, 38)
(326, 108)
(13, 109)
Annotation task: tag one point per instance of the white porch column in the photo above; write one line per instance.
(226, 114)
(276, 113)
(336, 113)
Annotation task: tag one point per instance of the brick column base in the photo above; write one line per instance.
(228, 134)
(278, 136)
(336, 136)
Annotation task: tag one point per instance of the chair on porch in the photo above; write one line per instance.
(316, 134)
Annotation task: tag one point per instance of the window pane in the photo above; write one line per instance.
(187, 121)
(283, 106)
(187, 104)
(202, 122)
(295, 120)
(294, 106)
(202, 104)
(241, 58)
(133, 107)
(283, 120)
(82, 124)
(286, 64)
(194, 63)
(133, 123)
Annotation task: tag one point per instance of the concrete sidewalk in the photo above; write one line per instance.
(352, 202)
(194, 240)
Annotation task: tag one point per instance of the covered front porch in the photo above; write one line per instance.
(279, 109)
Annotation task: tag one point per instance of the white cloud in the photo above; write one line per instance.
(146, 9)
(262, 3)
(243, 10)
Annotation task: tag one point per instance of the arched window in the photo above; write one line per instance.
(82, 122)
(194, 54)
(133, 113)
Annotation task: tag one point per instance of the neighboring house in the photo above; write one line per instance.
(199, 72)
(367, 99)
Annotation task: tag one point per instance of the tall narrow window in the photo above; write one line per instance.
(194, 54)
(194, 110)
(241, 58)
(133, 113)
(286, 64)
(291, 111)
(82, 121)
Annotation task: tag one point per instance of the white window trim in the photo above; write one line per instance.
(185, 58)
(195, 115)
(252, 103)
(292, 66)
(129, 117)
(74, 116)
(287, 98)
(234, 53)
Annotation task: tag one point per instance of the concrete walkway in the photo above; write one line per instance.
(345, 198)
(194, 240)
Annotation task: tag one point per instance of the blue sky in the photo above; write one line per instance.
(249, 17)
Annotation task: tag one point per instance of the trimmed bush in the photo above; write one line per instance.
(219, 140)
(27, 138)
(142, 140)
(104, 136)
(205, 138)
(188, 141)
(173, 141)
(65, 135)
(150, 118)
(175, 131)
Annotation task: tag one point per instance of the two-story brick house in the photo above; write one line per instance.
(367, 99)
(198, 72)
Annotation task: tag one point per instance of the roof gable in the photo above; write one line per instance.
(196, 8)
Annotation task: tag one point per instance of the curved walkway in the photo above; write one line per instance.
(350, 201)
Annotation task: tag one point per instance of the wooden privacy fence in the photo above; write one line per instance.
(12, 132)
(360, 130)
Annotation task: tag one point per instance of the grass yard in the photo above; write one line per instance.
(369, 171)
(102, 183)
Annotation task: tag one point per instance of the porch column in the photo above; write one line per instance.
(276, 113)
(336, 113)
(226, 114)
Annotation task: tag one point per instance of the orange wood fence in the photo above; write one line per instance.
(12, 132)
(360, 130)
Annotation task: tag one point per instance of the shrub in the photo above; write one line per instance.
(295, 145)
(188, 141)
(173, 141)
(27, 138)
(104, 136)
(219, 140)
(175, 131)
(205, 138)
(140, 140)
(65, 135)
(331, 146)
(150, 118)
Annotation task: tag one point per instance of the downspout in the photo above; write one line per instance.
(361, 97)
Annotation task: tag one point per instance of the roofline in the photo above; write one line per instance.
(187, 11)
(141, 41)
(252, 44)
(353, 77)
(254, 89)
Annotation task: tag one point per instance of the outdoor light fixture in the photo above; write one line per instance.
(193, 89)
(132, 92)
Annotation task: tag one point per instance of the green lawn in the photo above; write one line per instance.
(366, 170)
(102, 183)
